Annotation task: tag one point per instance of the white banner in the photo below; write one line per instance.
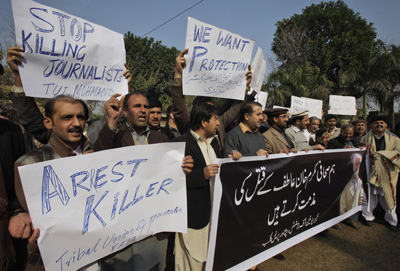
(65, 54)
(314, 106)
(258, 67)
(216, 63)
(92, 205)
(342, 105)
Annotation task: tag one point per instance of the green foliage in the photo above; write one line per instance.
(385, 77)
(325, 50)
(6, 82)
(151, 65)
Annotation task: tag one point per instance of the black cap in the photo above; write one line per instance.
(275, 112)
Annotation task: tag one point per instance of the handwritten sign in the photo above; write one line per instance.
(342, 105)
(216, 63)
(300, 194)
(92, 205)
(258, 66)
(296, 104)
(65, 54)
(314, 106)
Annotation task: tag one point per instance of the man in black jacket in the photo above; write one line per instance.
(203, 146)
(345, 139)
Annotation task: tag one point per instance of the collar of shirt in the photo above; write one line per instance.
(308, 131)
(282, 131)
(199, 138)
(379, 137)
(333, 131)
(295, 129)
(246, 129)
(134, 133)
(78, 151)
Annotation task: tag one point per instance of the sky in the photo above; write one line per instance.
(252, 19)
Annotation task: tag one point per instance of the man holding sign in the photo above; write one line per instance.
(148, 254)
(65, 116)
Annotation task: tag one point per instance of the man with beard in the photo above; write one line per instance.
(312, 128)
(245, 138)
(295, 132)
(353, 194)
(345, 140)
(330, 125)
(385, 163)
(275, 138)
(360, 128)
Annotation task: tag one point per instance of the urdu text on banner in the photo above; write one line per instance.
(216, 63)
(263, 206)
(92, 205)
(64, 54)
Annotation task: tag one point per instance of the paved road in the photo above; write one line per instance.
(371, 248)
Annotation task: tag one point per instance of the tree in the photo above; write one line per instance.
(151, 65)
(329, 43)
(385, 86)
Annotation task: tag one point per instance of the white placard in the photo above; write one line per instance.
(216, 63)
(296, 104)
(65, 54)
(92, 205)
(258, 67)
(262, 97)
(314, 106)
(342, 105)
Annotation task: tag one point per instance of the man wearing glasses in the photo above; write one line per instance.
(275, 139)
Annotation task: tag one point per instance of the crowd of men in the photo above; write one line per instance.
(242, 128)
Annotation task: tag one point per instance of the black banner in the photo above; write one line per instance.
(265, 203)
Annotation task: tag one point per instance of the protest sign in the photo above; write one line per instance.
(342, 105)
(314, 106)
(258, 67)
(64, 54)
(216, 63)
(262, 97)
(296, 104)
(92, 205)
(263, 206)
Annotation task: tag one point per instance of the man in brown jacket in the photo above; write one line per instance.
(275, 139)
